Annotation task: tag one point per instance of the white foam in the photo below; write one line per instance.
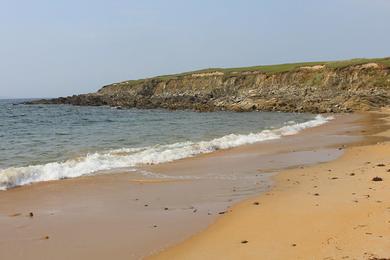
(130, 157)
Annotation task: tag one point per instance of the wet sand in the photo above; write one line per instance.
(334, 210)
(128, 215)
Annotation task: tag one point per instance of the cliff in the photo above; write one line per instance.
(317, 87)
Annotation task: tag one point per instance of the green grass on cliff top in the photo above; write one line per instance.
(271, 69)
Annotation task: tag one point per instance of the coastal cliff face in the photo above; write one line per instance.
(317, 89)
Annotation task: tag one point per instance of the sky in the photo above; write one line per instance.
(58, 48)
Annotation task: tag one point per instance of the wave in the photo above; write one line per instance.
(131, 157)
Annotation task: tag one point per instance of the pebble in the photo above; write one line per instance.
(377, 179)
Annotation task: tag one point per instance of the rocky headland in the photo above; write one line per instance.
(318, 87)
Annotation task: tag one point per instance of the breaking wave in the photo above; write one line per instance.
(130, 157)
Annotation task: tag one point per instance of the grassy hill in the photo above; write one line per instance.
(277, 68)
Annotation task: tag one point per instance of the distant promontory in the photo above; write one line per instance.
(318, 87)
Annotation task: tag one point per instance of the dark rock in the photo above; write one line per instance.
(244, 241)
(377, 179)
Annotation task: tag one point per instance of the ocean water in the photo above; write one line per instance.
(51, 142)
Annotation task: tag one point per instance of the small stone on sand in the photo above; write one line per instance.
(377, 179)
(244, 241)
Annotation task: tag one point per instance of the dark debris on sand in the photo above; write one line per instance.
(377, 179)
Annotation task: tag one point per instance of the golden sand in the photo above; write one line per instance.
(333, 210)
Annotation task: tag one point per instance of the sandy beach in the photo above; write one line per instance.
(195, 130)
(334, 210)
(131, 216)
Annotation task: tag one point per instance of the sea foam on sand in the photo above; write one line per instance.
(130, 157)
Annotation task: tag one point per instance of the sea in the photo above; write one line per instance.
(52, 142)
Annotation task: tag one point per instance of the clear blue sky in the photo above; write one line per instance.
(53, 48)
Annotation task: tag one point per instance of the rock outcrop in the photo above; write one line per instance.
(316, 89)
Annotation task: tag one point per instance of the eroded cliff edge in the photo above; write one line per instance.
(308, 87)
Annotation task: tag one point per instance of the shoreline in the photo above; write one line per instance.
(140, 216)
(118, 159)
(331, 210)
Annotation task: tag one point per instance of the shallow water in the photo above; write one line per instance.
(49, 142)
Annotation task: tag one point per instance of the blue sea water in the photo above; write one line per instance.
(49, 142)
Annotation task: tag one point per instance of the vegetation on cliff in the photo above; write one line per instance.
(337, 86)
